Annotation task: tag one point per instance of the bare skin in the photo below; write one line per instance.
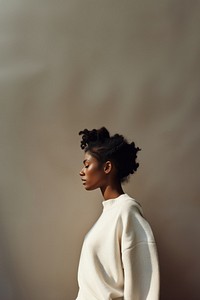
(100, 175)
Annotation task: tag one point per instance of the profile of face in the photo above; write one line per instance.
(93, 173)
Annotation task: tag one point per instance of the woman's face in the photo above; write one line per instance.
(92, 173)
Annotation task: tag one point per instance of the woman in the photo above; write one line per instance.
(119, 257)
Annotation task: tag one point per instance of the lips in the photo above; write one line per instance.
(83, 181)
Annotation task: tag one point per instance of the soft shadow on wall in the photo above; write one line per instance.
(131, 67)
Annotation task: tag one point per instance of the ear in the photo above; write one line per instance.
(108, 167)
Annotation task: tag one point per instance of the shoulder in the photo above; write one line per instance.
(133, 221)
(129, 206)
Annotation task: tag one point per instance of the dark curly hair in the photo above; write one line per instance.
(104, 147)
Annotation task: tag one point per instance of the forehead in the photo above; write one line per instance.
(89, 157)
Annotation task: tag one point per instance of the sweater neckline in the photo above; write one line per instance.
(110, 202)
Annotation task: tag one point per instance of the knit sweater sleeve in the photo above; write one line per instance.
(139, 258)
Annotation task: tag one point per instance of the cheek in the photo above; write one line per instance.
(95, 175)
(94, 170)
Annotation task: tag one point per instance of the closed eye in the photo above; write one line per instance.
(85, 162)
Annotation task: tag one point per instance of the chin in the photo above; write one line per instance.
(89, 188)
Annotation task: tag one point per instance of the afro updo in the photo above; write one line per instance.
(104, 147)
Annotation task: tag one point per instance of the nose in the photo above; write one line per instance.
(81, 173)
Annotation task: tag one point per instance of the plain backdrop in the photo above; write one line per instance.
(132, 66)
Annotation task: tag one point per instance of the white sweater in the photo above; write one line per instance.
(119, 257)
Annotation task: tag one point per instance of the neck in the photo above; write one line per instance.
(112, 191)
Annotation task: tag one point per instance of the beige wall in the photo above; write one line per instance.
(68, 65)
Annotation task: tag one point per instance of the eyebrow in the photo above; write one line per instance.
(85, 160)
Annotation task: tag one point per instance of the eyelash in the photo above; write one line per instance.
(86, 166)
